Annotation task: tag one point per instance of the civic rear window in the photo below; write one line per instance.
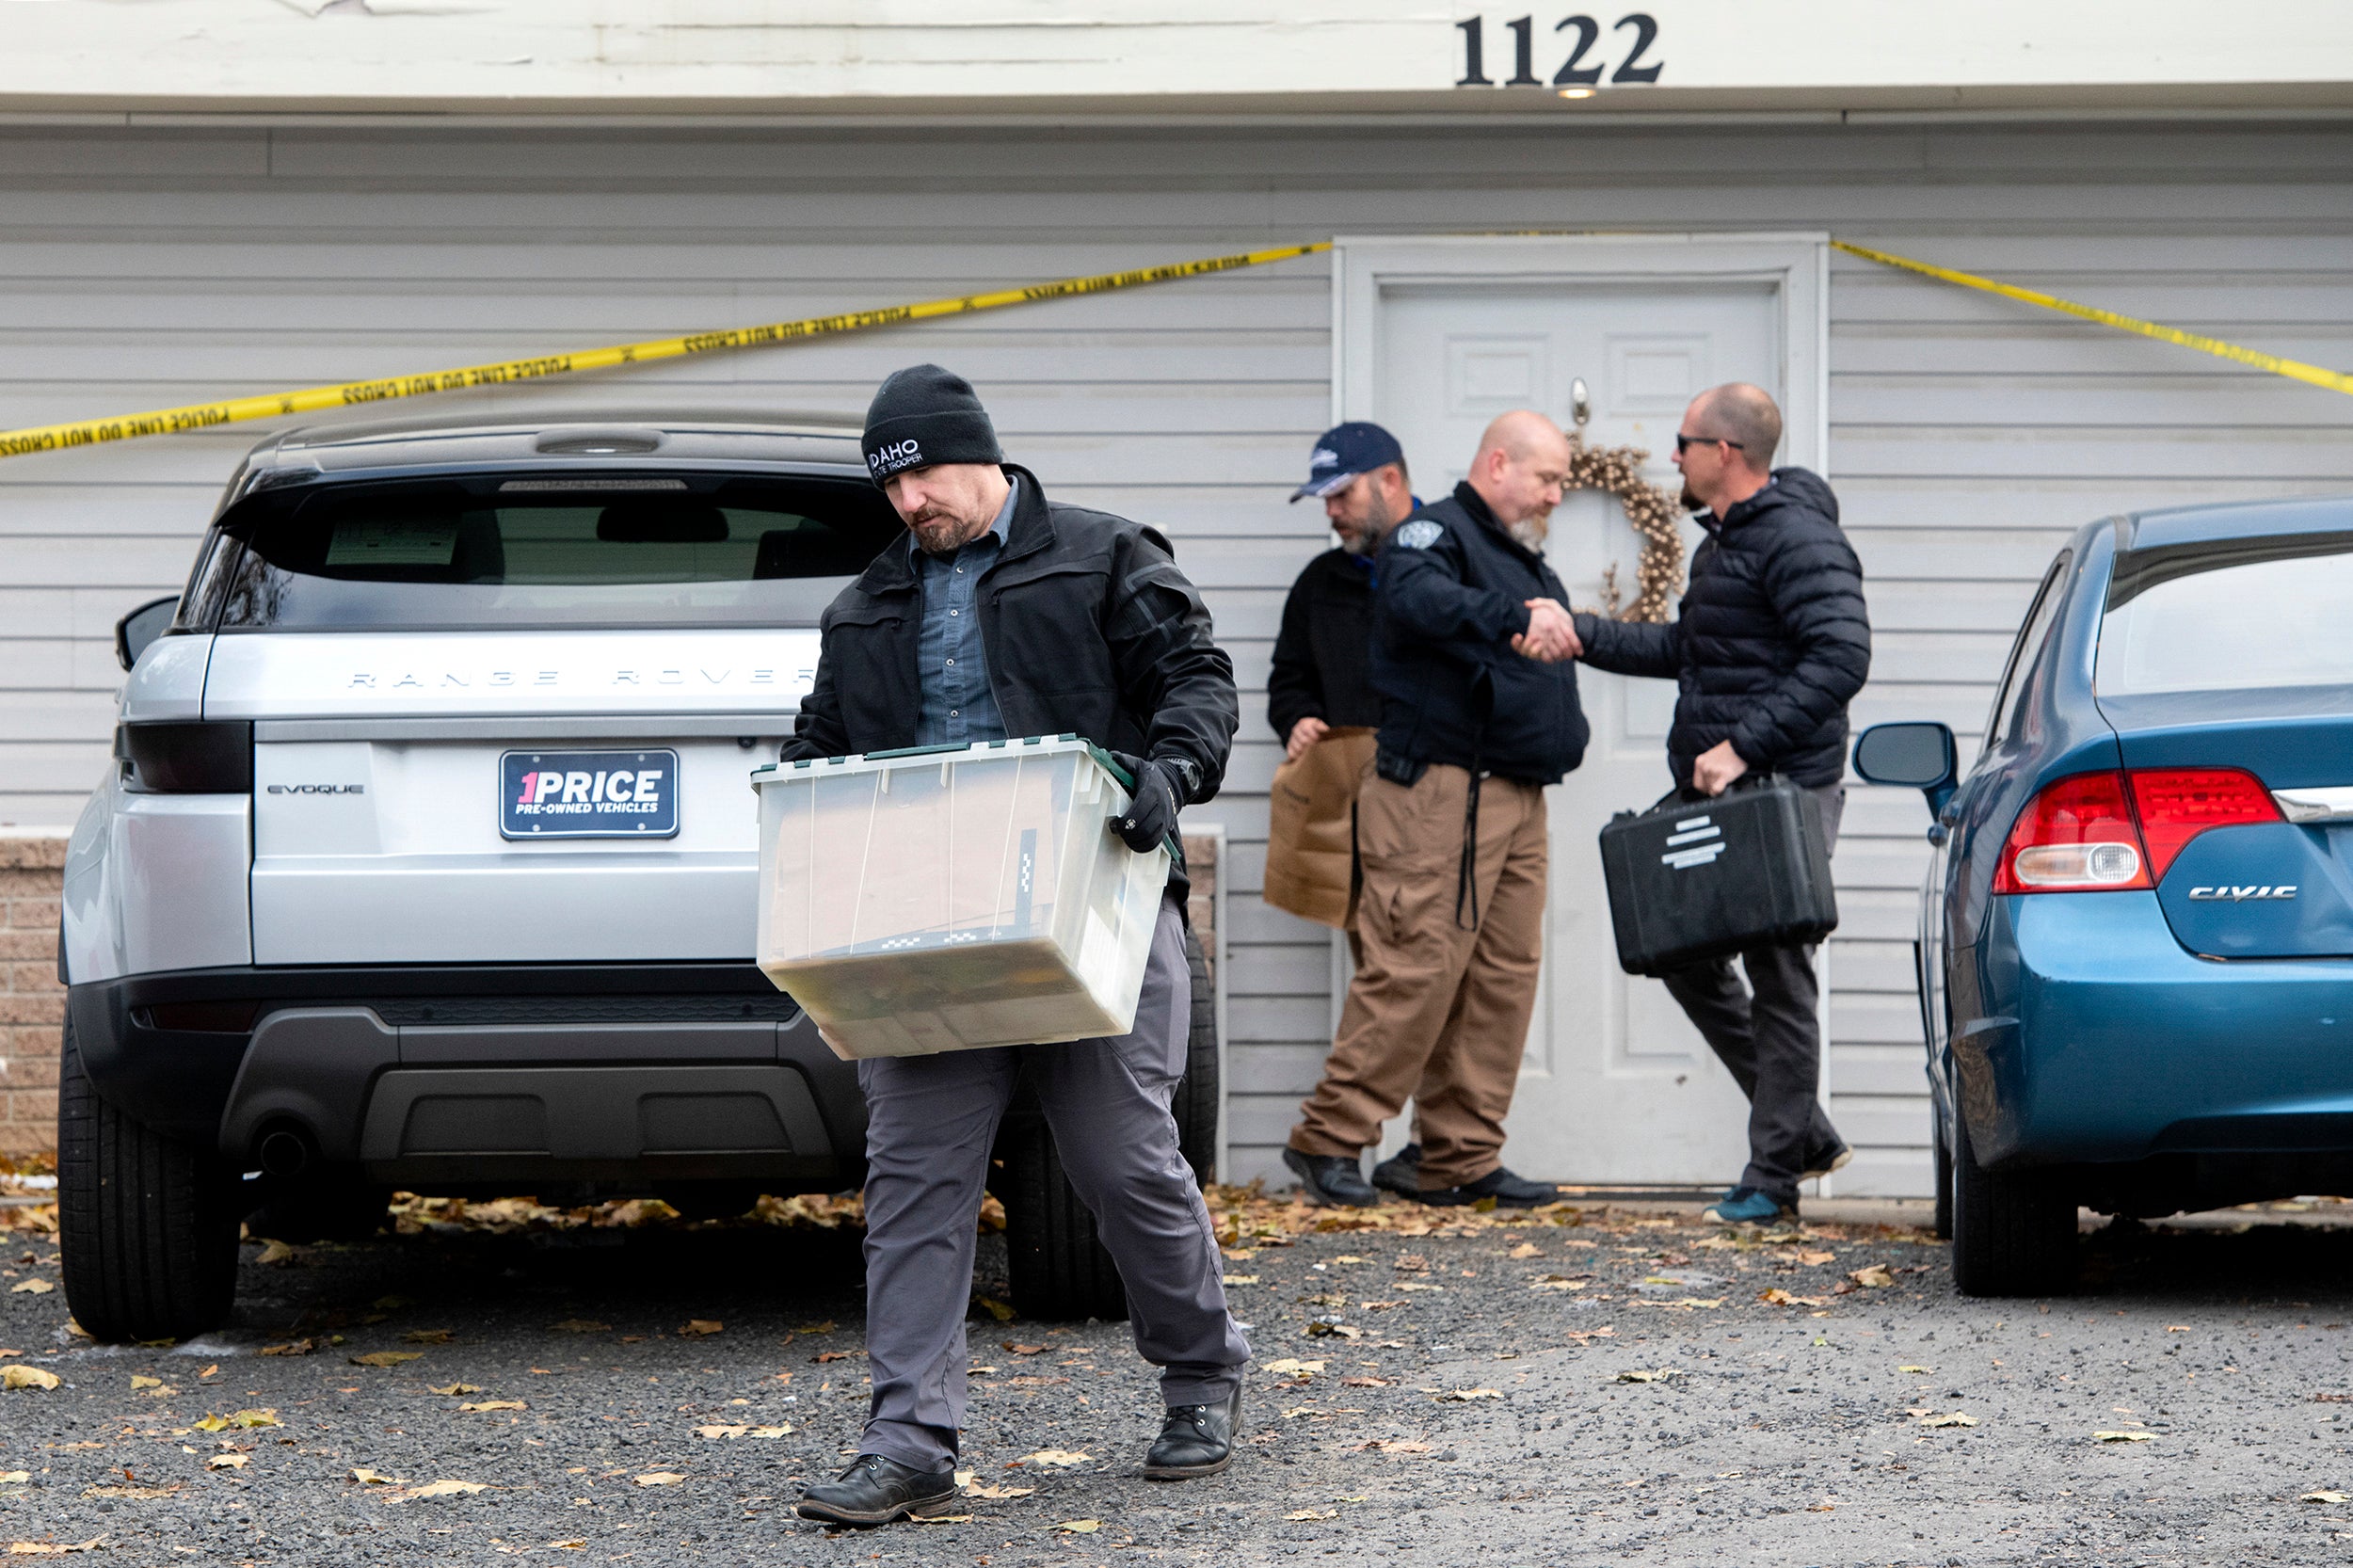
(550, 550)
(2227, 615)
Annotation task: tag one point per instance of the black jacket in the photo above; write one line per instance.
(1090, 629)
(1452, 596)
(1771, 641)
(1323, 665)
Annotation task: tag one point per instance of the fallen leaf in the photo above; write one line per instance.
(452, 1388)
(15, 1478)
(275, 1252)
(137, 1381)
(292, 1347)
(1818, 1257)
(660, 1478)
(31, 1288)
(2124, 1437)
(2177, 1328)
(942, 1518)
(1242, 1279)
(446, 1489)
(1776, 1296)
(1289, 1368)
(823, 1357)
(2306, 1497)
(1058, 1456)
(1873, 1276)
(227, 1461)
(1080, 1527)
(1394, 1445)
(142, 1493)
(580, 1325)
(54, 1549)
(577, 1543)
(1304, 1514)
(1924, 1371)
(1023, 1350)
(26, 1377)
(1657, 1374)
(826, 1327)
(1323, 1328)
(702, 1325)
(1556, 1282)
(995, 1308)
(1950, 1419)
(495, 1404)
(429, 1335)
(244, 1420)
(1526, 1249)
(1464, 1396)
(386, 1358)
(366, 1477)
(1365, 1382)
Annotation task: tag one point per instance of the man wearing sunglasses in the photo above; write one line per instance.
(1769, 645)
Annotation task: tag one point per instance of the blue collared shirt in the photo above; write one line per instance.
(958, 708)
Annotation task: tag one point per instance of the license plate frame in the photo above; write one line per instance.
(578, 807)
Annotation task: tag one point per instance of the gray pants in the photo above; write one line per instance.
(931, 1122)
(1768, 1042)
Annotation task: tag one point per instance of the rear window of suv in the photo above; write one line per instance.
(2228, 615)
(547, 550)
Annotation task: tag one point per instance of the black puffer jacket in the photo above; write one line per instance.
(1772, 642)
(1090, 629)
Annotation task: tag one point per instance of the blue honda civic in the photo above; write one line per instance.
(2136, 953)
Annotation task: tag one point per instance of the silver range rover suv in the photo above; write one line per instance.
(427, 857)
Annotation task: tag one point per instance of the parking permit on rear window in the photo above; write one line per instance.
(588, 795)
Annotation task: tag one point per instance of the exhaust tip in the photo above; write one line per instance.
(284, 1153)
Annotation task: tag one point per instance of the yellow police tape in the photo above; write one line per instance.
(202, 416)
(2294, 369)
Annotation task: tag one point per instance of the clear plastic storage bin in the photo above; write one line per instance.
(950, 899)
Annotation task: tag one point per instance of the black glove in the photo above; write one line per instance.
(1162, 786)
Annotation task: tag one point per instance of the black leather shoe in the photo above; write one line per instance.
(1508, 1190)
(1330, 1180)
(1196, 1440)
(1401, 1172)
(876, 1491)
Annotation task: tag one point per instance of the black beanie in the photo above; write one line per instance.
(924, 415)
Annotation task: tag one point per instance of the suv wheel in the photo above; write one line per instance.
(1060, 1268)
(2013, 1231)
(148, 1224)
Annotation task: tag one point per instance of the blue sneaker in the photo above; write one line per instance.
(1747, 1205)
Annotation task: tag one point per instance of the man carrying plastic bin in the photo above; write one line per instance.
(1005, 615)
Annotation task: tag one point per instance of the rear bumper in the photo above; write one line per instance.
(493, 1073)
(2101, 1039)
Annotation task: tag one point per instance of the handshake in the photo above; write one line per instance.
(1551, 636)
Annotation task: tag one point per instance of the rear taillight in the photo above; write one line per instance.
(2081, 834)
(187, 757)
(2175, 805)
(2076, 836)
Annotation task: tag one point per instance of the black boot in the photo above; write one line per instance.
(1401, 1172)
(876, 1491)
(1510, 1191)
(1196, 1440)
(1330, 1180)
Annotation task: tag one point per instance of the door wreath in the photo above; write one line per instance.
(1655, 516)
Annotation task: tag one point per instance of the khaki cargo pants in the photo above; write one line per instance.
(1436, 1010)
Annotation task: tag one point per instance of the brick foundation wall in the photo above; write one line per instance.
(32, 1005)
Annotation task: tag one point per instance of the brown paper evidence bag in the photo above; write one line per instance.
(1311, 829)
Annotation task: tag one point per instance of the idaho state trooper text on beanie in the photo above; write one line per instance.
(924, 415)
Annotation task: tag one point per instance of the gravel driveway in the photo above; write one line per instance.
(1608, 1383)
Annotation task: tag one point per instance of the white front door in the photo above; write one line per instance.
(1617, 1086)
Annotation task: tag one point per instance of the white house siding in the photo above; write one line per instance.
(141, 268)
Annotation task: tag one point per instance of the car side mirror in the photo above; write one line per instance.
(1913, 756)
(142, 626)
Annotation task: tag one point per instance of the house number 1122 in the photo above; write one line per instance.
(1574, 71)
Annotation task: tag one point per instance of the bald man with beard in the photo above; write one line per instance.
(1472, 656)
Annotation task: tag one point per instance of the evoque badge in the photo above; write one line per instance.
(2240, 895)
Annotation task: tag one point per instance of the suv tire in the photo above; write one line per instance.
(148, 1224)
(1942, 1153)
(2013, 1231)
(1060, 1268)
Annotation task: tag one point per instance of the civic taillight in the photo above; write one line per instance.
(2076, 836)
(2103, 832)
(187, 757)
(2175, 805)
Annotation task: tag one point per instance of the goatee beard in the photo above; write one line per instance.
(1688, 502)
(1530, 536)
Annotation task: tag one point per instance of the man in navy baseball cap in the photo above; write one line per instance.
(1344, 451)
(1322, 670)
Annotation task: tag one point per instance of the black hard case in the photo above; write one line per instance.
(1692, 880)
